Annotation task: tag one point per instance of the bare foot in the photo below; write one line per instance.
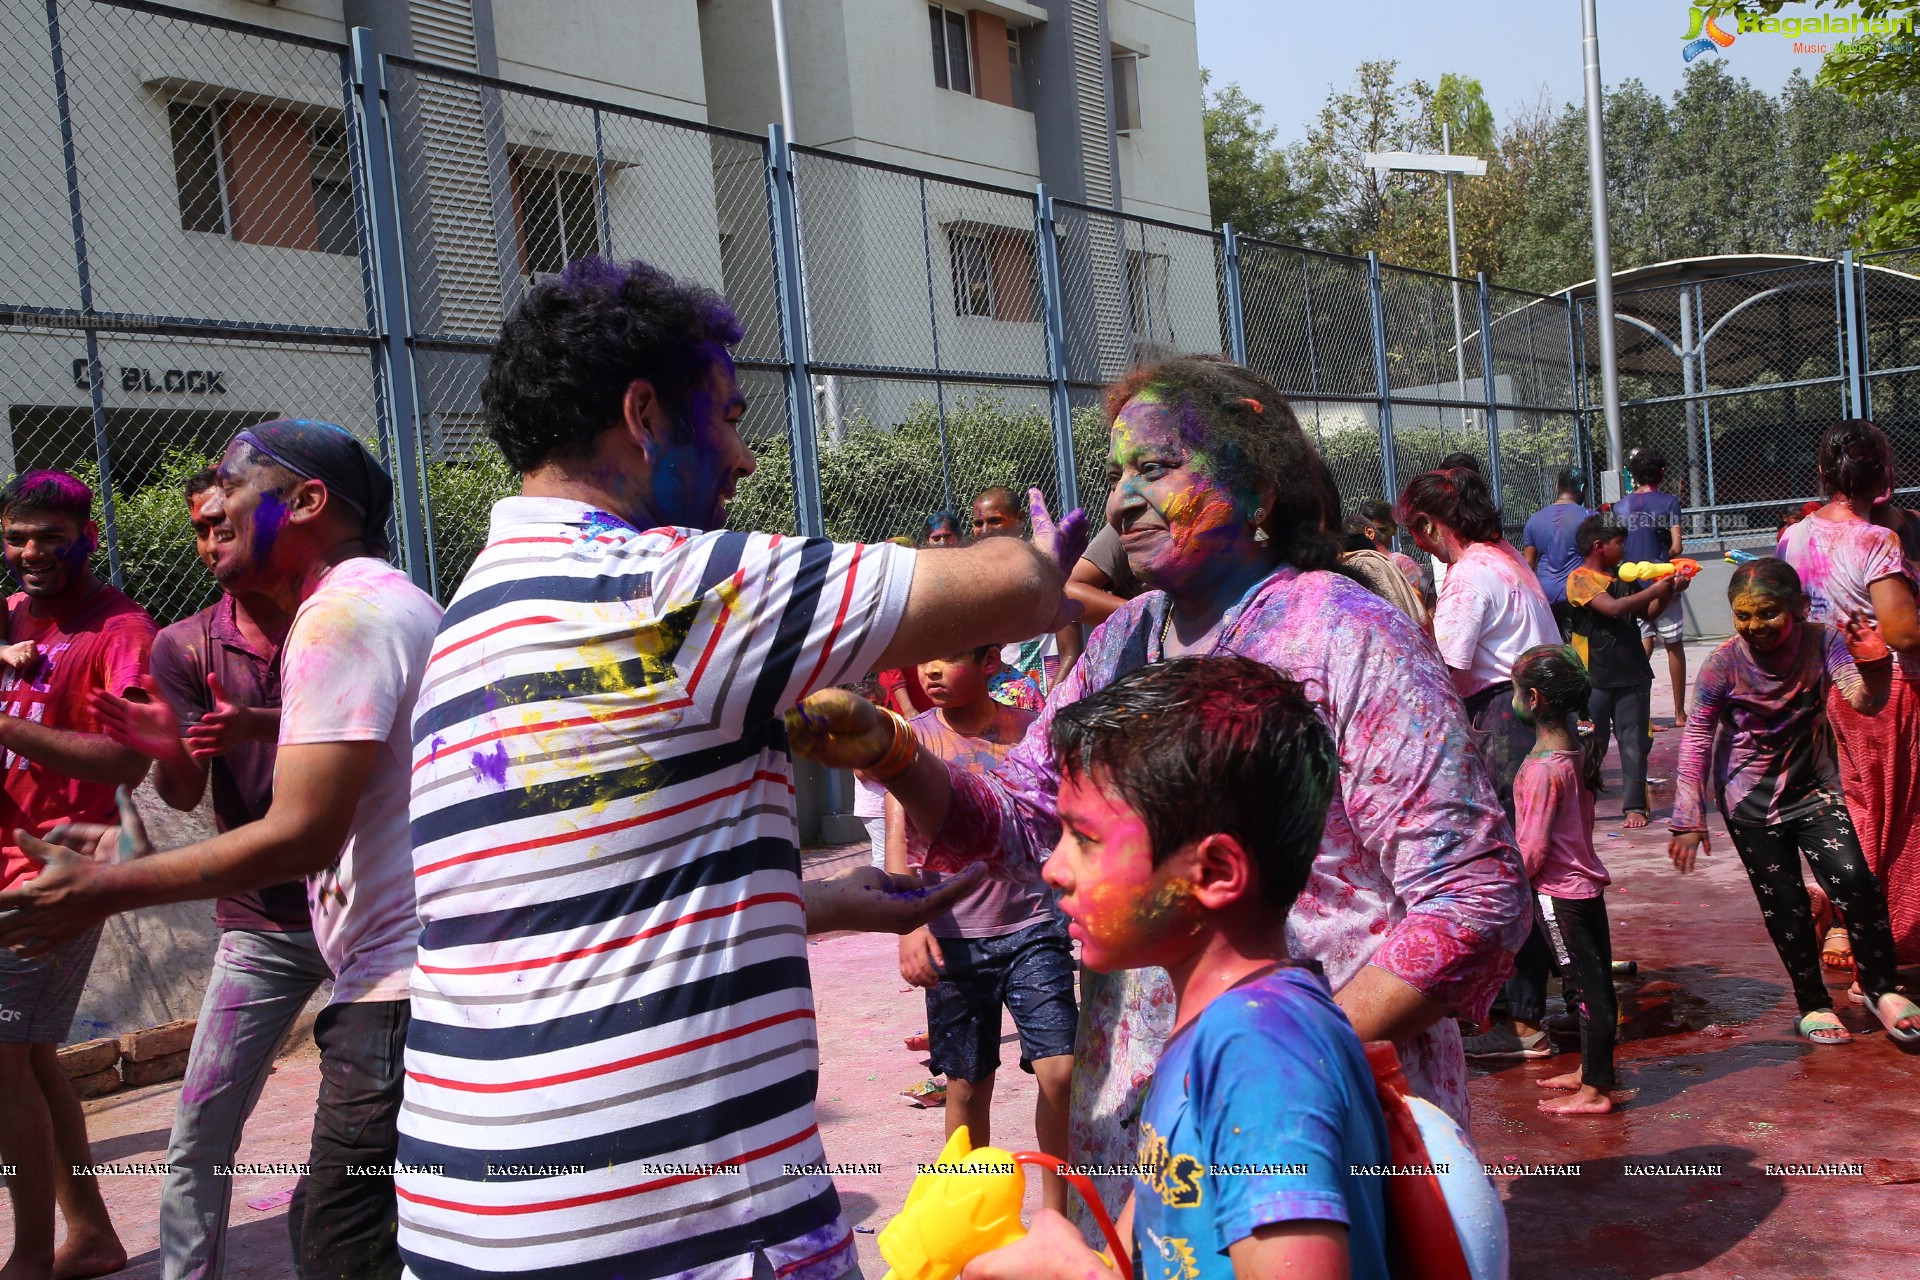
(18, 1268)
(85, 1257)
(1588, 1102)
(1634, 820)
(1569, 1081)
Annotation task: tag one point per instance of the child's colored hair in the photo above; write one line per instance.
(1205, 746)
(1555, 672)
(1596, 529)
(1767, 576)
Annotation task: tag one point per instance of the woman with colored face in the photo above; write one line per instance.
(1849, 561)
(1765, 693)
(1417, 898)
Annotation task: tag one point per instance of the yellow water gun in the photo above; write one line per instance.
(968, 1203)
(1654, 570)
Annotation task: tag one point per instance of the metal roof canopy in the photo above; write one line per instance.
(1766, 314)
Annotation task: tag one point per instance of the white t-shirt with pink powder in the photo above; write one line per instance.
(1491, 610)
(1838, 562)
(350, 672)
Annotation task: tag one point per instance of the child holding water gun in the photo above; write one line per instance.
(1606, 635)
(1764, 693)
(1553, 803)
(1192, 796)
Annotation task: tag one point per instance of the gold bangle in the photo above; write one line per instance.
(900, 756)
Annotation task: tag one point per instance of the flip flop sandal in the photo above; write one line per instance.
(1836, 949)
(1822, 1026)
(1906, 1035)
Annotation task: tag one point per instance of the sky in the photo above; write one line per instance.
(1287, 54)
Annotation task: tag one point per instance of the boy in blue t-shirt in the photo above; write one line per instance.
(1192, 796)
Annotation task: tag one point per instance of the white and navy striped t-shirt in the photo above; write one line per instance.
(612, 996)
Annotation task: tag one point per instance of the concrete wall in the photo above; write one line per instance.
(1163, 164)
(152, 965)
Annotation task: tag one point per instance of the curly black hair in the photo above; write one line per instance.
(1856, 461)
(579, 339)
(1204, 746)
(1249, 428)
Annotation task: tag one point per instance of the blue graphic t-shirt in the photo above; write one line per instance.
(1649, 518)
(1257, 1113)
(1550, 531)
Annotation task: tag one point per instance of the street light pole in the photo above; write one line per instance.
(1453, 269)
(782, 70)
(1602, 251)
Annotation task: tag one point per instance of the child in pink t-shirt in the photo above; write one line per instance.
(1553, 821)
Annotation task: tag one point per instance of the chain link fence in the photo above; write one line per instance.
(215, 223)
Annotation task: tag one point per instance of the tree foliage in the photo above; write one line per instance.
(1872, 186)
(1717, 167)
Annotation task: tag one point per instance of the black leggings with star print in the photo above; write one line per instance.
(1825, 835)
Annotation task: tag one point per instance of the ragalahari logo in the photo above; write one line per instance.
(1705, 31)
(1704, 34)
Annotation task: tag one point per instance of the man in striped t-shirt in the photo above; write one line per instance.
(612, 1062)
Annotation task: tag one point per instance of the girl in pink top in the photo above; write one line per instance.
(1849, 562)
(1553, 800)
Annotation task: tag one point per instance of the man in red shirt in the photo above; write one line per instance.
(56, 765)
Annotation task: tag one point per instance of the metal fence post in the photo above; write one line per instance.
(1376, 305)
(1052, 299)
(1854, 350)
(600, 186)
(1236, 307)
(393, 312)
(1577, 392)
(96, 377)
(785, 210)
(1486, 384)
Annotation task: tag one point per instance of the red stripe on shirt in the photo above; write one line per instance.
(458, 645)
(583, 833)
(608, 1068)
(601, 1197)
(614, 944)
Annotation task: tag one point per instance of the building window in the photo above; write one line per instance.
(263, 175)
(196, 168)
(1126, 93)
(952, 68)
(995, 273)
(333, 190)
(1017, 69)
(559, 215)
(1147, 296)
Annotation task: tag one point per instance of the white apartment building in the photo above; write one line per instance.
(214, 174)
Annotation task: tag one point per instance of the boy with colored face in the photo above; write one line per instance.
(1193, 793)
(1000, 944)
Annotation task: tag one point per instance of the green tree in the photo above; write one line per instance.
(1873, 185)
(1376, 113)
(1249, 181)
(1460, 103)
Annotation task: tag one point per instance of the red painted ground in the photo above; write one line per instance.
(1719, 1080)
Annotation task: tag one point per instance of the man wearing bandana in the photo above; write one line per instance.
(298, 514)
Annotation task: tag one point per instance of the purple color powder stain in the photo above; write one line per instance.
(603, 522)
(492, 767)
(268, 519)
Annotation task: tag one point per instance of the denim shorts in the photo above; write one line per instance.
(38, 998)
(1029, 972)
